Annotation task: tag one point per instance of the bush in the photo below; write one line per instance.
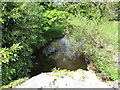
(14, 83)
(18, 27)
(18, 21)
(29, 25)
(95, 46)
(13, 67)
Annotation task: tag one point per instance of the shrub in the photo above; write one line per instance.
(18, 21)
(95, 46)
(13, 67)
(29, 25)
(14, 83)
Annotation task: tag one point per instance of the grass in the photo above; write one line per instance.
(110, 31)
(94, 35)
(106, 62)
(61, 73)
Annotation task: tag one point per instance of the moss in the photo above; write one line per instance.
(63, 72)
(14, 83)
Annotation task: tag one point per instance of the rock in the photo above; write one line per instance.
(73, 79)
(114, 84)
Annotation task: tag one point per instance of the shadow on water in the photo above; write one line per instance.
(41, 63)
(60, 53)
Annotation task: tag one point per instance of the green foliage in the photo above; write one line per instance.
(106, 58)
(106, 63)
(110, 29)
(55, 16)
(9, 53)
(59, 72)
(29, 25)
(96, 33)
(12, 64)
(97, 46)
(85, 30)
(33, 24)
(24, 18)
(92, 10)
(14, 83)
(54, 23)
(18, 27)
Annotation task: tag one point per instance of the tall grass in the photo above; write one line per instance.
(110, 31)
(109, 56)
(101, 42)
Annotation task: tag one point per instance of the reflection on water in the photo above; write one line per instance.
(61, 54)
(64, 54)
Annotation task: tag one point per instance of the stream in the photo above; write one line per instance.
(61, 53)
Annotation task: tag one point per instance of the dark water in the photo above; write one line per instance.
(61, 53)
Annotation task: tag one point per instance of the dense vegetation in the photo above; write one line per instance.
(28, 26)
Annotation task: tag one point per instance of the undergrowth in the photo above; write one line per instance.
(14, 83)
(99, 42)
